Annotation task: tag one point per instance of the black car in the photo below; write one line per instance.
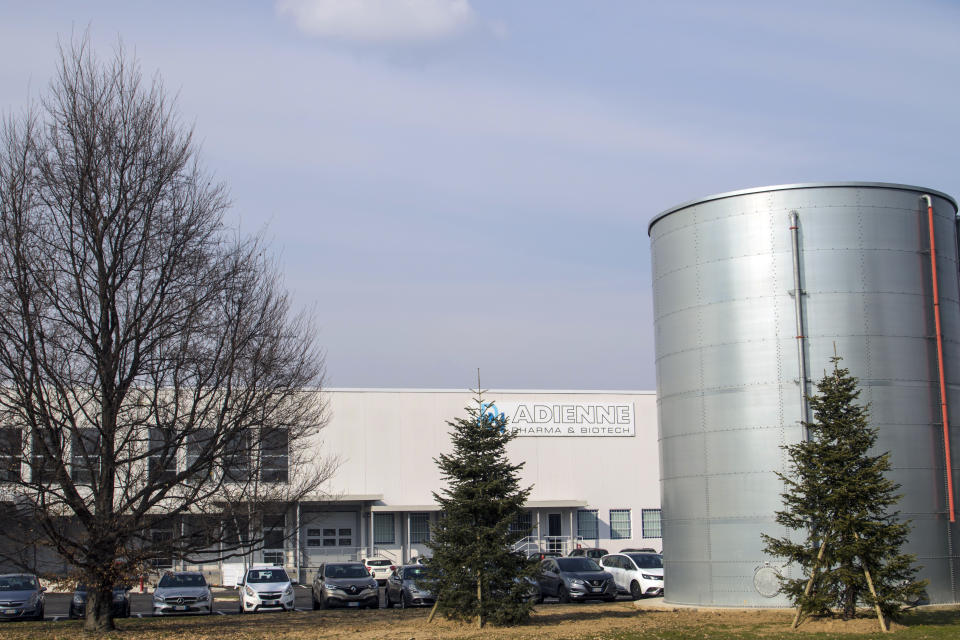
(596, 554)
(345, 584)
(120, 604)
(403, 589)
(576, 579)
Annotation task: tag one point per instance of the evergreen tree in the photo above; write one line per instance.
(837, 494)
(474, 571)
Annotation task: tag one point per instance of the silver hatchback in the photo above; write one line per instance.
(182, 592)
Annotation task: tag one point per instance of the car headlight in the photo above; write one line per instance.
(203, 597)
(118, 597)
(157, 598)
(647, 576)
(288, 591)
(334, 587)
(78, 599)
(577, 582)
(33, 600)
(250, 592)
(373, 585)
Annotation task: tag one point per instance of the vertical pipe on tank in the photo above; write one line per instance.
(940, 368)
(798, 312)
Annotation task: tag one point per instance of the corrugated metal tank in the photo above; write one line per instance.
(728, 367)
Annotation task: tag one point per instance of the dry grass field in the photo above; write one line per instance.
(614, 621)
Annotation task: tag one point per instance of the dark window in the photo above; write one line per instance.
(383, 528)
(522, 524)
(162, 458)
(160, 538)
(650, 522)
(84, 455)
(236, 457)
(198, 451)
(419, 528)
(11, 454)
(587, 524)
(275, 456)
(236, 531)
(47, 456)
(273, 531)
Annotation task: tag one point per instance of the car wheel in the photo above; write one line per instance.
(404, 603)
(323, 602)
(563, 595)
(240, 610)
(126, 611)
(635, 592)
(39, 615)
(313, 599)
(539, 599)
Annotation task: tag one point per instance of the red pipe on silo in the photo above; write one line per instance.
(943, 382)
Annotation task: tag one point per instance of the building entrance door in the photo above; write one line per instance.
(554, 533)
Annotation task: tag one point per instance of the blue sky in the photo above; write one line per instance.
(454, 184)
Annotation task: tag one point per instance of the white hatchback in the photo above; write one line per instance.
(380, 569)
(639, 574)
(266, 587)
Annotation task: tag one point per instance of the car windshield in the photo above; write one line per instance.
(378, 563)
(346, 571)
(82, 587)
(173, 580)
(412, 573)
(267, 575)
(578, 564)
(647, 560)
(18, 583)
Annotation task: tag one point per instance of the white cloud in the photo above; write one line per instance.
(379, 21)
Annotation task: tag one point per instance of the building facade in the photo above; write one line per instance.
(590, 457)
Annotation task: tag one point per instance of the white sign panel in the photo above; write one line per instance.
(545, 419)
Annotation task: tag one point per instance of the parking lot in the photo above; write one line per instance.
(225, 603)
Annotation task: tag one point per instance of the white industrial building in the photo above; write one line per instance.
(590, 456)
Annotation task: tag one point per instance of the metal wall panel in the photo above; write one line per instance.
(727, 366)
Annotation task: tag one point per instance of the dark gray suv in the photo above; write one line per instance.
(575, 579)
(345, 584)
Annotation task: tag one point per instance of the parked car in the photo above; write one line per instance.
(21, 597)
(402, 587)
(596, 554)
(380, 569)
(641, 550)
(182, 592)
(266, 587)
(575, 579)
(120, 604)
(639, 574)
(345, 584)
(542, 555)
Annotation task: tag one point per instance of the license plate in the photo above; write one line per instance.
(181, 607)
(9, 612)
(270, 603)
(595, 589)
(353, 604)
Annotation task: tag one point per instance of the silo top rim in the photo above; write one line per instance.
(802, 185)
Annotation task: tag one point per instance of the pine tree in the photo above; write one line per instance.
(837, 494)
(475, 573)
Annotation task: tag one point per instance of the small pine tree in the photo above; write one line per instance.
(838, 495)
(474, 571)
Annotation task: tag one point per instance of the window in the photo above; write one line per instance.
(620, 524)
(346, 537)
(197, 451)
(47, 455)
(84, 455)
(275, 456)
(236, 531)
(162, 538)
(383, 528)
(419, 528)
(273, 531)
(587, 524)
(650, 520)
(522, 524)
(236, 457)
(162, 458)
(11, 448)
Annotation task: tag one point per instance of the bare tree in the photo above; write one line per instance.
(158, 396)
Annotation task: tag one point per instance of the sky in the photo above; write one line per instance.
(454, 185)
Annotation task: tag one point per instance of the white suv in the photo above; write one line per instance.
(639, 574)
(380, 569)
(266, 587)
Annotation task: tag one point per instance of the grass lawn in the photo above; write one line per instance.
(614, 621)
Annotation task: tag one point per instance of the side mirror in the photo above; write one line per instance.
(42, 589)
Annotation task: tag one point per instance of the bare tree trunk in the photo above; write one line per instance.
(99, 615)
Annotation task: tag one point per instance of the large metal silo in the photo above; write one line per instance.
(732, 341)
